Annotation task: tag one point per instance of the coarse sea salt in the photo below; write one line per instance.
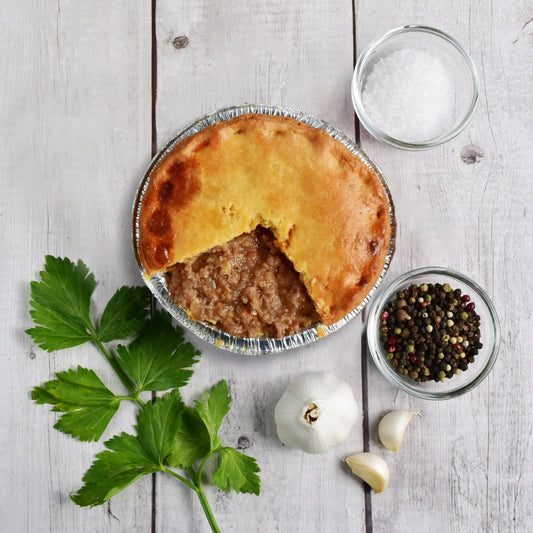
(409, 95)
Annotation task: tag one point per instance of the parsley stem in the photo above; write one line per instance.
(181, 478)
(129, 398)
(202, 464)
(197, 480)
(121, 373)
(196, 485)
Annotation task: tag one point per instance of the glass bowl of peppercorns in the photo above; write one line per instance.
(434, 333)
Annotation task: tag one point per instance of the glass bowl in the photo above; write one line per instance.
(414, 88)
(489, 327)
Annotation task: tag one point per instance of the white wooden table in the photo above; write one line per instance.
(90, 90)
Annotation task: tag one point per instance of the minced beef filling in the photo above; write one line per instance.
(247, 288)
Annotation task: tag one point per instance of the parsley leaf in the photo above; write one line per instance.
(129, 457)
(157, 424)
(212, 407)
(158, 359)
(124, 314)
(191, 441)
(89, 405)
(124, 462)
(61, 305)
(237, 471)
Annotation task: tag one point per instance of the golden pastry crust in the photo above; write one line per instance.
(327, 210)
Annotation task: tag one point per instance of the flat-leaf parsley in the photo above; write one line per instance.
(170, 435)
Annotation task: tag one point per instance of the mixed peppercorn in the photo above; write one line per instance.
(430, 332)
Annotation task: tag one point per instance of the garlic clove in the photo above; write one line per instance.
(371, 468)
(392, 427)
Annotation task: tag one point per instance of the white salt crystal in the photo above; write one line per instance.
(409, 95)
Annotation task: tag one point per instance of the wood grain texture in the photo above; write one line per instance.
(465, 205)
(296, 54)
(74, 106)
(75, 109)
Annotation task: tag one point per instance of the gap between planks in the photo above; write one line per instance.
(364, 359)
(153, 54)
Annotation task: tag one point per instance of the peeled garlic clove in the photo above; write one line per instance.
(392, 427)
(371, 468)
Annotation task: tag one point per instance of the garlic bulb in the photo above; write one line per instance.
(316, 412)
(371, 468)
(392, 427)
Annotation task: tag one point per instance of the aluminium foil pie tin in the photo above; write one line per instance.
(208, 333)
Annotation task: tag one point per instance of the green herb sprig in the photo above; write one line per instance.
(170, 435)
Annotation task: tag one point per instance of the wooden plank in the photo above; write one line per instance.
(299, 55)
(463, 465)
(77, 136)
(295, 54)
(75, 109)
